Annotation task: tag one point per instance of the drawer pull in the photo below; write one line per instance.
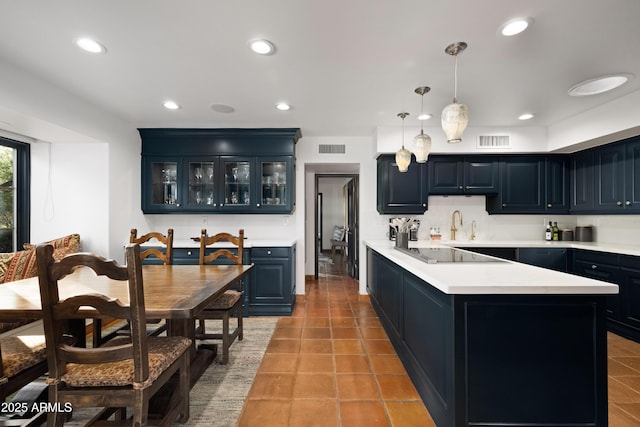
(188, 253)
(268, 252)
(549, 205)
(618, 203)
(628, 203)
(594, 267)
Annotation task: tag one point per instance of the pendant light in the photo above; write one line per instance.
(422, 142)
(403, 156)
(455, 116)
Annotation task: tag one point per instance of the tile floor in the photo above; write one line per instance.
(331, 364)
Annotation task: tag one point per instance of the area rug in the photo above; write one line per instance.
(218, 397)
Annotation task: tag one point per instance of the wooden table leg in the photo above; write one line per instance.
(201, 358)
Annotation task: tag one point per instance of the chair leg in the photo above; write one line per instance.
(225, 338)
(240, 329)
(185, 386)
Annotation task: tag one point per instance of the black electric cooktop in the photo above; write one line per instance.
(438, 255)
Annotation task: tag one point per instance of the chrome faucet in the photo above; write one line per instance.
(473, 230)
(453, 223)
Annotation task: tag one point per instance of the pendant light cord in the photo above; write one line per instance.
(455, 81)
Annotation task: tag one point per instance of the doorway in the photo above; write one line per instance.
(336, 205)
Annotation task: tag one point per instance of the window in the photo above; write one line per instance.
(14, 194)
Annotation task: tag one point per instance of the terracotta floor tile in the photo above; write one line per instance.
(314, 413)
(373, 333)
(387, 364)
(317, 322)
(315, 363)
(357, 387)
(289, 322)
(618, 417)
(287, 333)
(397, 387)
(272, 386)
(412, 414)
(621, 393)
(316, 346)
(317, 312)
(283, 346)
(341, 313)
(344, 333)
(616, 368)
(262, 413)
(314, 386)
(379, 347)
(278, 362)
(324, 333)
(352, 363)
(343, 322)
(369, 322)
(632, 362)
(362, 414)
(348, 347)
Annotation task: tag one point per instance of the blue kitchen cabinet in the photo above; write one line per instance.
(463, 175)
(582, 182)
(609, 178)
(401, 192)
(218, 171)
(550, 258)
(273, 284)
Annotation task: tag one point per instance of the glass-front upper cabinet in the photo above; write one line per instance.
(276, 184)
(237, 189)
(203, 187)
(162, 178)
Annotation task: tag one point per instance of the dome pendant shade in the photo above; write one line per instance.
(403, 159)
(422, 147)
(455, 117)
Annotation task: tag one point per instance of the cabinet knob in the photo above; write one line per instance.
(424, 205)
(460, 187)
(504, 205)
(178, 204)
(215, 204)
(188, 253)
(618, 203)
(466, 188)
(594, 267)
(268, 252)
(628, 203)
(549, 205)
(257, 205)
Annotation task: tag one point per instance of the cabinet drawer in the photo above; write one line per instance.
(597, 257)
(270, 252)
(186, 253)
(629, 261)
(604, 272)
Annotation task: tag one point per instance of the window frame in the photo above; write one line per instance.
(22, 176)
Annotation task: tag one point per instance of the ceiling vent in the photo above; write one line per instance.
(331, 149)
(494, 141)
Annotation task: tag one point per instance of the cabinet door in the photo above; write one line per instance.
(401, 192)
(271, 289)
(390, 292)
(161, 190)
(445, 175)
(632, 176)
(480, 176)
(276, 184)
(630, 298)
(609, 168)
(551, 258)
(557, 184)
(522, 185)
(583, 182)
(600, 267)
(202, 192)
(237, 189)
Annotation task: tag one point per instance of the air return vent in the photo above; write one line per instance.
(494, 141)
(331, 149)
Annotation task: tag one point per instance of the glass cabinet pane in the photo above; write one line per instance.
(274, 183)
(164, 183)
(202, 183)
(237, 183)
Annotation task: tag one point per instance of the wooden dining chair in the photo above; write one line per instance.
(23, 360)
(127, 371)
(230, 301)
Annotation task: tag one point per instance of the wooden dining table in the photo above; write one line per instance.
(176, 293)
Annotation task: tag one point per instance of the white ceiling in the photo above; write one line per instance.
(346, 66)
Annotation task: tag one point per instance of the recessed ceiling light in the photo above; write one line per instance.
(262, 47)
(424, 116)
(283, 106)
(526, 116)
(90, 45)
(222, 108)
(599, 85)
(171, 105)
(515, 26)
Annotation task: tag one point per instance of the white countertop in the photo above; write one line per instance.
(248, 243)
(504, 278)
(617, 248)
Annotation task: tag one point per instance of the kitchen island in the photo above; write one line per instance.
(491, 342)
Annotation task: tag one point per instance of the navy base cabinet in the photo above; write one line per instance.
(496, 360)
(272, 290)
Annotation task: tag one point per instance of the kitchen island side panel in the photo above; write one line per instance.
(490, 360)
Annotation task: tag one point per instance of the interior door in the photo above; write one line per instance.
(352, 227)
